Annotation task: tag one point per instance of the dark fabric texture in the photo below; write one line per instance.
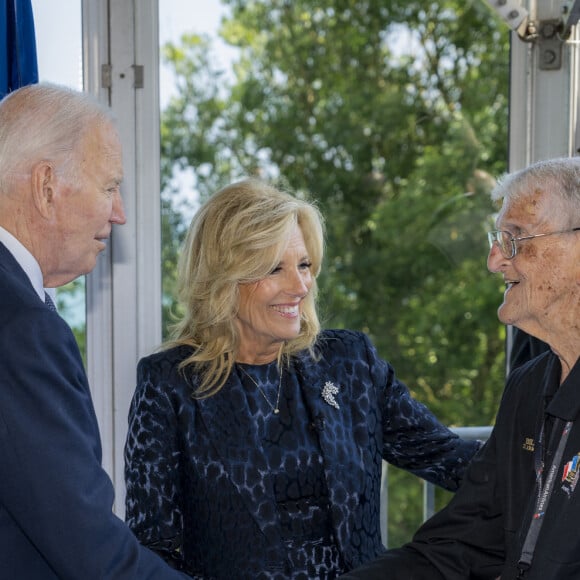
(199, 485)
(296, 467)
(481, 532)
(56, 520)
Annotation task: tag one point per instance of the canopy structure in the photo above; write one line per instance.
(120, 60)
(18, 63)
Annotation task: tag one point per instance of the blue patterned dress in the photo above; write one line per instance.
(294, 458)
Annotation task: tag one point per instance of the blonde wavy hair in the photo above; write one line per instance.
(237, 237)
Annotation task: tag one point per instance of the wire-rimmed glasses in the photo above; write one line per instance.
(507, 243)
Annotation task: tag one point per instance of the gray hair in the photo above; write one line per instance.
(44, 122)
(560, 177)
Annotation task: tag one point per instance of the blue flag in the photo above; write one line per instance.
(18, 64)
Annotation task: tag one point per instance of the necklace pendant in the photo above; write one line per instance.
(276, 409)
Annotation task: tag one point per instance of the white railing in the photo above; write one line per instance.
(481, 433)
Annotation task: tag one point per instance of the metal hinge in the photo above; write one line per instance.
(106, 76)
(550, 43)
(138, 76)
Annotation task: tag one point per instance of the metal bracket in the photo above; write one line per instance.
(138, 76)
(511, 13)
(570, 15)
(106, 76)
(549, 34)
(550, 43)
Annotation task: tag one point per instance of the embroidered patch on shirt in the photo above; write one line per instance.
(528, 444)
(570, 475)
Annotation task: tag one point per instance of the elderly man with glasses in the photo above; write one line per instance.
(517, 514)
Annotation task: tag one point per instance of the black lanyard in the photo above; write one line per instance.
(544, 488)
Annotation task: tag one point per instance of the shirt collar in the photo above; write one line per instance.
(26, 260)
(565, 402)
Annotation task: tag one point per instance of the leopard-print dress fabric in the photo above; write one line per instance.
(223, 488)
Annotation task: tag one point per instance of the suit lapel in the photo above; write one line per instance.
(343, 463)
(13, 276)
(313, 378)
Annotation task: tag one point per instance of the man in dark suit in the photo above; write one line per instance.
(60, 173)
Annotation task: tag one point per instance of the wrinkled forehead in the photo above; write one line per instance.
(532, 208)
(100, 147)
(102, 135)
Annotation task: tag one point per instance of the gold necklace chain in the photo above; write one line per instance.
(275, 409)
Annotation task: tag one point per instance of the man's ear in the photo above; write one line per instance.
(43, 182)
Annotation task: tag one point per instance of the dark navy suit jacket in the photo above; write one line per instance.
(197, 489)
(56, 520)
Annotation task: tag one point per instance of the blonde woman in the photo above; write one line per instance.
(256, 439)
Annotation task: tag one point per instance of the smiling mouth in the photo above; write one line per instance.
(287, 310)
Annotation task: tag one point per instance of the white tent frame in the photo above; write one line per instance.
(123, 298)
(121, 67)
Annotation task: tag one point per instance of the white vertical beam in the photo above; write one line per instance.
(99, 283)
(124, 293)
(573, 46)
(125, 289)
(543, 102)
(148, 179)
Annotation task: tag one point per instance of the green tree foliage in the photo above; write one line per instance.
(392, 115)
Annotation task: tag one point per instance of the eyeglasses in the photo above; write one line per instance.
(507, 243)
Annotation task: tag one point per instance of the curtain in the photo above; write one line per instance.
(18, 64)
